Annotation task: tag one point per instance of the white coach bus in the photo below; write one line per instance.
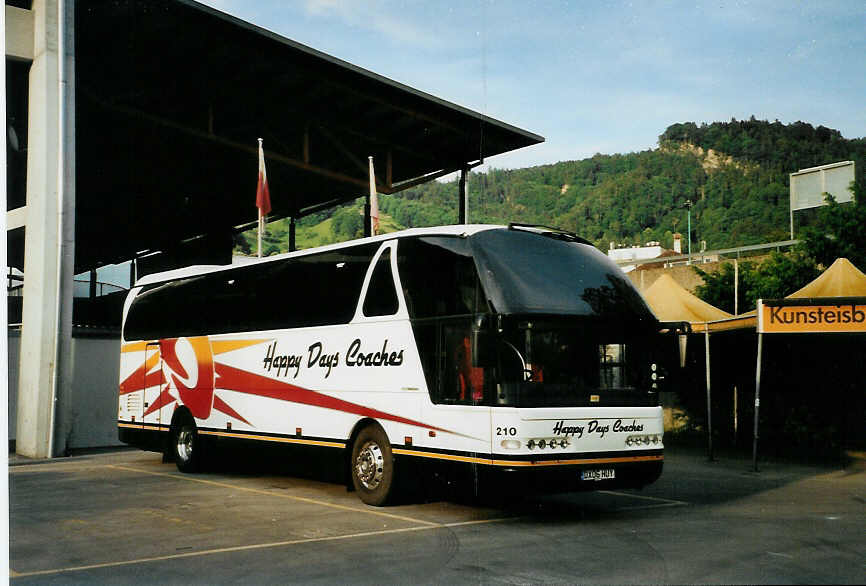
(519, 350)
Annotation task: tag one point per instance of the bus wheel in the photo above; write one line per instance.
(373, 466)
(186, 446)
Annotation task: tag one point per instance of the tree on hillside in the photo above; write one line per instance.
(778, 276)
(839, 232)
(740, 194)
(718, 287)
(774, 278)
(347, 223)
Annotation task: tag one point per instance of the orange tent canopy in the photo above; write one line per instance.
(841, 279)
(670, 301)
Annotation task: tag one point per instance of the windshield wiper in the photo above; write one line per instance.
(550, 232)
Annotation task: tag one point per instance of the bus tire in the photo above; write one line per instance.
(186, 445)
(372, 466)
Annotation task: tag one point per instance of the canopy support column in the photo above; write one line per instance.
(463, 197)
(736, 287)
(757, 402)
(709, 395)
(367, 220)
(292, 246)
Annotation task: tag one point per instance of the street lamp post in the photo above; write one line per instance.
(688, 206)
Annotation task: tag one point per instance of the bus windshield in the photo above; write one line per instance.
(517, 318)
(570, 364)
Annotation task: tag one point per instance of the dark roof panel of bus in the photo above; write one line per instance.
(532, 273)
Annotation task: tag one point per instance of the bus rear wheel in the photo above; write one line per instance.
(373, 466)
(186, 445)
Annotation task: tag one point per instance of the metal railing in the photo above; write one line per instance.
(81, 289)
(101, 288)
(698, 257)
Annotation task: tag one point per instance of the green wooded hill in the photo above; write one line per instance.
(735, 173)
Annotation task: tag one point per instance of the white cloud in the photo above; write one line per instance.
(598, 78)
(376, 16)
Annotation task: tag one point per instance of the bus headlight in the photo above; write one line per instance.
(510, 444)
(552, 443)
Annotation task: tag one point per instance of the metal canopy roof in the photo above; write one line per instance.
(171, 96)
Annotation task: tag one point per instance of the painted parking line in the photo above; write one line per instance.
(418, 524)
(301, 499)
(659, 502)
(257, 546)
(55, 466)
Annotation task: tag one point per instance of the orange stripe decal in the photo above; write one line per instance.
(266, 438)
(133, 347)
(149, 426)
(223, 346)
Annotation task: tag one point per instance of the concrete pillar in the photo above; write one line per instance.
(46, 333)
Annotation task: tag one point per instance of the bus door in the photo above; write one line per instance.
(442, 292)
(459, 393)
(153, 379)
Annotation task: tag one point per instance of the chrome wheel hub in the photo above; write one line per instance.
(370, 466)
(184, 444)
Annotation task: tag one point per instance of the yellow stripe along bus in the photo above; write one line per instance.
(520, 353)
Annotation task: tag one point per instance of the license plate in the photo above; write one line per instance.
(598, 474)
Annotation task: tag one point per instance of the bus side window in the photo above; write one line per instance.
(310, 290)
(381, 296)
(439, 281)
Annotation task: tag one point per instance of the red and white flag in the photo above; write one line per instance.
(263, 196)
(263, 199)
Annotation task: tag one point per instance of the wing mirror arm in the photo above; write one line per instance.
(483, 343)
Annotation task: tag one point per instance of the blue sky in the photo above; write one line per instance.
(604, 77)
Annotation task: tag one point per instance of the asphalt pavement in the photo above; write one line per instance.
(125, 517)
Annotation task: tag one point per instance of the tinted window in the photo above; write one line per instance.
(440, 281)
(445, 347)
(312, 290)
(525, 273)
(381, 296)
(576, 362)
(439, 277)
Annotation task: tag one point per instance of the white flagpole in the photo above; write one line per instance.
(374, 201)
(262, 181)
(260, 234)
